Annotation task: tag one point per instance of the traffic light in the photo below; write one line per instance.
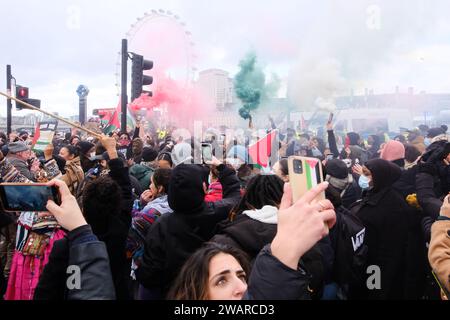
(138, 79)
(22, 94)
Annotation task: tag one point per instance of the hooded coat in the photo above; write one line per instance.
(384, 214)
(175, 236)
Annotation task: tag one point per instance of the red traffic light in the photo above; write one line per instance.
(21, 92)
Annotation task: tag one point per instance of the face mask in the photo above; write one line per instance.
(427, 141)
(124, 142)
(364, 182)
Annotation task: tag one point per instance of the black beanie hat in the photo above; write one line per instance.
(186, 194)
(336, 168)
(85, 146)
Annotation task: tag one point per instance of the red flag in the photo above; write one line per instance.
(261, 151)
(37, 133)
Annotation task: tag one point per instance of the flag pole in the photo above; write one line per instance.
(29, 106)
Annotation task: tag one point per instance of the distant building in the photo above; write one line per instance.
(416, 103)
(218, 86)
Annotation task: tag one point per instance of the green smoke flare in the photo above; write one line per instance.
(250, 85)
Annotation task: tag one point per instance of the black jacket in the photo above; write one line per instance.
(119, 173)
(82, 249)
(175, 236)
(246, 234)
(428, 200)
(251, 236)
(406, 184)
(384, 214)
(270, 279)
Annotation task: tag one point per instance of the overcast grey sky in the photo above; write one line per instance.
(53, 46)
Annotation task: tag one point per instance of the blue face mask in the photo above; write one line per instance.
(427, 141)
(364, 182)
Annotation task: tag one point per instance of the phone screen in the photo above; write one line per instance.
(330, 119)
(27, 197)
(206, 152)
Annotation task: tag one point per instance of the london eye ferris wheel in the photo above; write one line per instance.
(162, 37)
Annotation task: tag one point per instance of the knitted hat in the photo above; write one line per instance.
(336, 168)
(393, 150)
(16, 147)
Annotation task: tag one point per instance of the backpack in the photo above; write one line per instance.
(350, 249)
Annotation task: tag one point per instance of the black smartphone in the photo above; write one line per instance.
(27, 196)
(206, 152)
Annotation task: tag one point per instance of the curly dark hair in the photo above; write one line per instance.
(192, 280)
(102, 200)
(262, 190)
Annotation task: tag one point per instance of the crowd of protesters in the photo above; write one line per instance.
(144, 218)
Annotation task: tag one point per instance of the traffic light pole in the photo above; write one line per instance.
(8, 101)
(124, 98)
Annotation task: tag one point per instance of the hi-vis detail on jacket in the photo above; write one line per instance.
(358, 240)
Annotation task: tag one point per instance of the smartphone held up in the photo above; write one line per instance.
(207, 153)
(304, 174)
(16, 197)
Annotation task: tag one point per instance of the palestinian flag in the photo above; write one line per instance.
(312, 172)
(261, 151)
(114, 122)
